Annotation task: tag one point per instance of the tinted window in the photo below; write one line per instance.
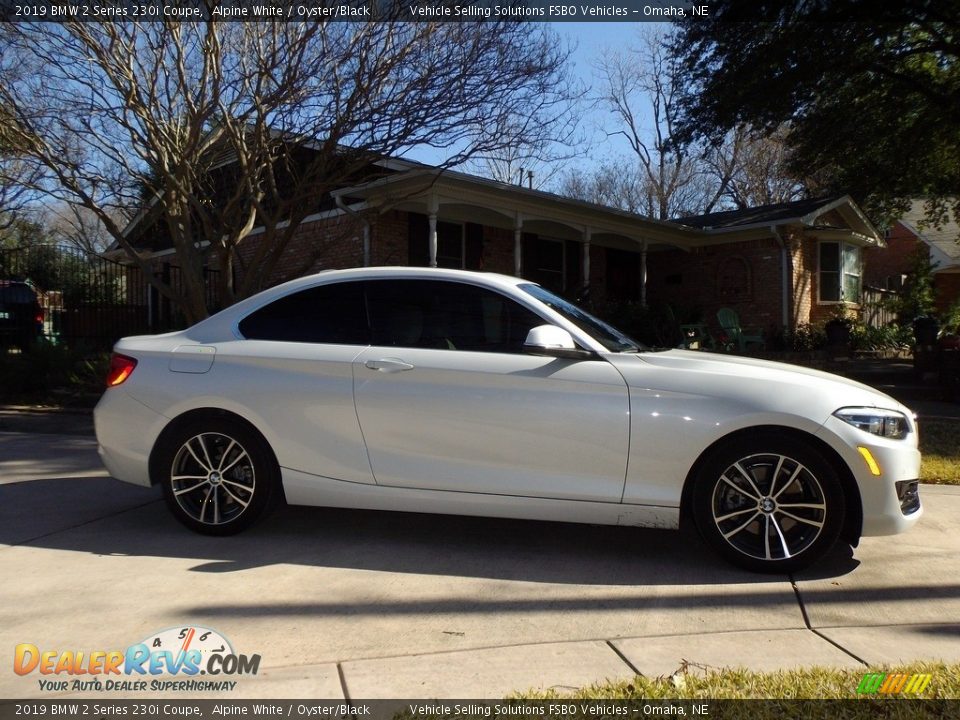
(607, 335)
(325, 314)
(17, 293)
(446, 316)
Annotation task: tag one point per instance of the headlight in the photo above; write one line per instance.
(883, 423)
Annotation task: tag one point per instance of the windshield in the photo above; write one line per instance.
(607, 335)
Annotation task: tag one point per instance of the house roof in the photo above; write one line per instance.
(810, 214)
(422, 188)
(764, 214)
(943, 240)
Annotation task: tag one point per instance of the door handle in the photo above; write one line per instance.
(388, 365)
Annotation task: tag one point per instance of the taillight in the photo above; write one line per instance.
(121, 368)
(39, 318)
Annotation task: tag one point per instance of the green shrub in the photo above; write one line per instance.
(890, 337)
(806, 337)
(51, 373)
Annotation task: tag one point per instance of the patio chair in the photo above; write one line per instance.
(730, 324)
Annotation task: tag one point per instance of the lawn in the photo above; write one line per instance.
(808, 683)
(940, 445)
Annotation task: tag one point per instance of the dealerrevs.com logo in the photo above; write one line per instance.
(180, 654)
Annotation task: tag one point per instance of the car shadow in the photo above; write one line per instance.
(105, 517)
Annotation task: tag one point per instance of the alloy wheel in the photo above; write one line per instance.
(769, 507)
(212, 478)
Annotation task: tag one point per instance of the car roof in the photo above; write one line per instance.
(394, 272)
(17, 291)
(222, 323)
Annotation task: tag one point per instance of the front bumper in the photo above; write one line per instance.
(888, 506)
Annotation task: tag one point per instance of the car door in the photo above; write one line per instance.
(447, 399)
(294, 372)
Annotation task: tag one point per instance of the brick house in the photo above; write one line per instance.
(908, 236)
(777, 266)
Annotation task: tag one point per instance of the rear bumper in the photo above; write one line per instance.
(126, 432)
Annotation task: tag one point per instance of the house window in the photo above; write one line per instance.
(544, 261)
(458, 246)
(450, 245)
(840, 271)
(623, 275)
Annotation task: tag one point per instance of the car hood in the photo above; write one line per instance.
(760, 384)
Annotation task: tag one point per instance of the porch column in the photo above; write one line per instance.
(433, 207)
(517, 245)
(643, 274)
(366, 243)
(587, 233)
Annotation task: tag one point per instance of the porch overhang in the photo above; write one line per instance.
(468, 198)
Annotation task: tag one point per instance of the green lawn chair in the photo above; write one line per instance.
(730, 323)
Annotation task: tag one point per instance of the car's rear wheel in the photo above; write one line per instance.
(768, 504)
(218, 475)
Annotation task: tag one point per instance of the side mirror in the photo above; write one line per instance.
(552, 341)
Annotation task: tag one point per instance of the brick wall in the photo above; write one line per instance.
(329, 243)
(744, 276)
(897, 259)
(946, 288)
(389, 235)
(804, 283)
(892, 261)
(498, 250)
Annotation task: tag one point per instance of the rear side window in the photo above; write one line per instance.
(332, 314)
(446, 316)
(17, 293)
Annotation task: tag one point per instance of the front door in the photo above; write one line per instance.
(447, 400)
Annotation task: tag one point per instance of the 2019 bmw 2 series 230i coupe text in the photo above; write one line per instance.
(466, 393)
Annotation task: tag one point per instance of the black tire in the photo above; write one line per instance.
(768, 504)
(218, 475)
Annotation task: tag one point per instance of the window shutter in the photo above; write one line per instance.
(474, 247)
(418, 246)
(529, 255)
(574, 258)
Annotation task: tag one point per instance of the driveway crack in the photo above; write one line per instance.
(811, 628)
(623, 657)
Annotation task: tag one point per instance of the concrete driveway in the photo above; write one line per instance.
(365, 605)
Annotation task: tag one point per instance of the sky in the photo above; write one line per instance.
(589, 40)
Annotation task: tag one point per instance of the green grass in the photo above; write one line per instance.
(940, 445)
(809, 683)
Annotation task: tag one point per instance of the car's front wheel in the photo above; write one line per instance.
(218, 475)
(768, 504)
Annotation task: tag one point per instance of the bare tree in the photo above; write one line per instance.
(539, 164)
(218, 128)
(619, 183)
(81, 228)
(641, 89)
(750, 169)
(624, 184)
(666, 176)
(17, 175)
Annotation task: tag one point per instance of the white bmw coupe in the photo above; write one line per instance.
(469, 393)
